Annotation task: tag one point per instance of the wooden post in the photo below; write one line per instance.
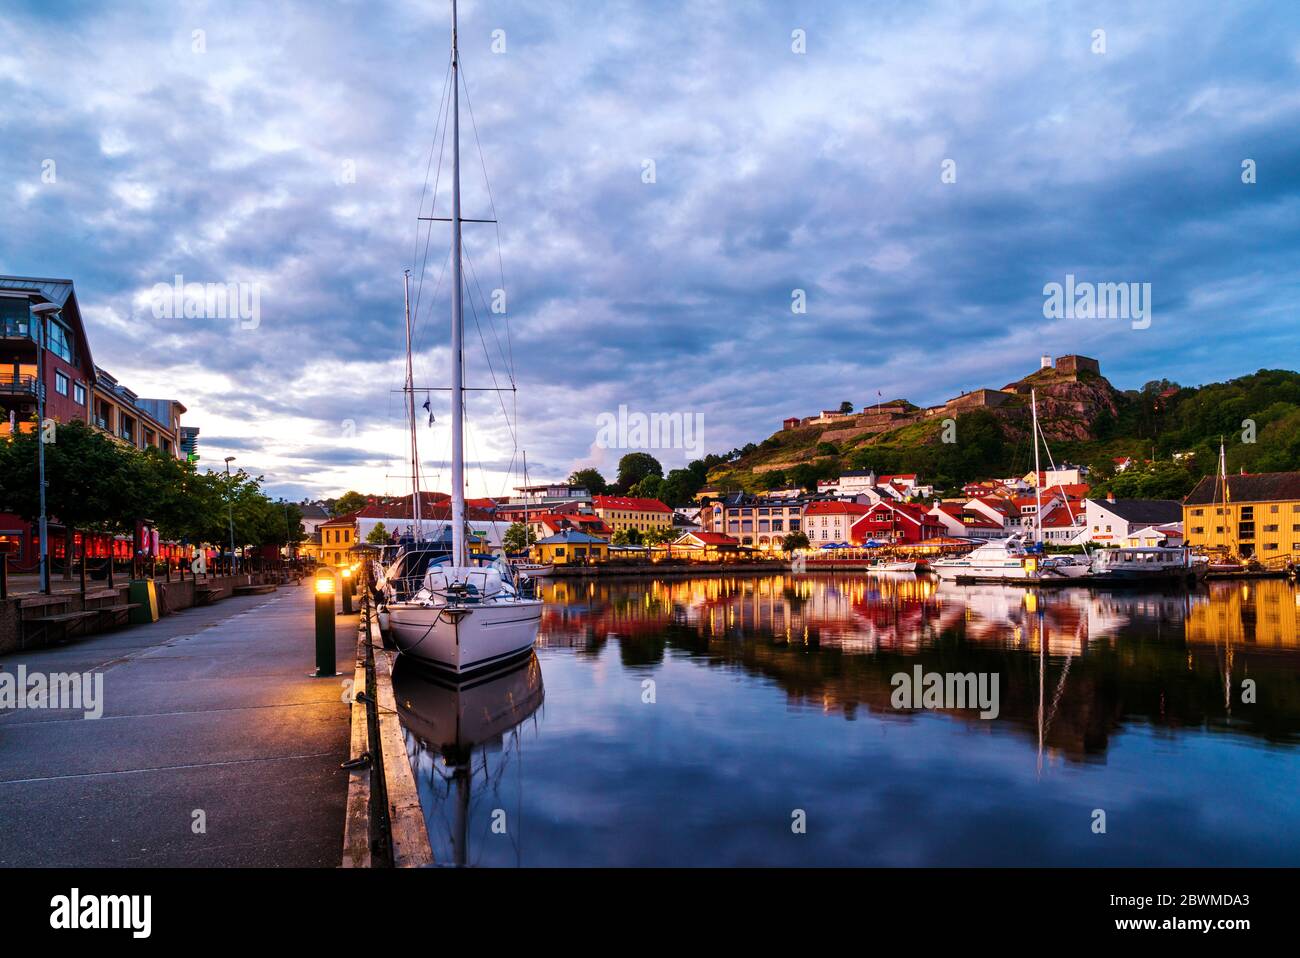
(4, 575)
(83, 567)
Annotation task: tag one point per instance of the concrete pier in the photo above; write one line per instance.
(215, 748)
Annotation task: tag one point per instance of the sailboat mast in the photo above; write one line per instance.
(458, 554)
(410, 414)
(1038, 475)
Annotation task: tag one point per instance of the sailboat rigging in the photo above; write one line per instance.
(451, 608)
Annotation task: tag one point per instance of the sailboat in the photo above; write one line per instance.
(469, 612)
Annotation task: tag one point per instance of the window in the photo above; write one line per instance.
(60, 384)
(60, 341)
(1270, 546)
(79, 393)
(1198, 530)
(1197, 512)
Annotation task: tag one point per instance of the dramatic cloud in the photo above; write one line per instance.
(285, 146)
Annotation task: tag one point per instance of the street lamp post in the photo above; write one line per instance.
(231, 504)
(42, 311)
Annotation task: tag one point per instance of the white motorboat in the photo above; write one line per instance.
(996, 559)
(895, 565)
(468, 612)
(533, 570)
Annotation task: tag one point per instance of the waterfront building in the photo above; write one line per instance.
(1260, 518)
(71, 380)
(959, 521)
(622, 513)
(545, 524)
(706, 545)
(337, 536)
(139, 423)
(1110, 521)
(832, 520)
(760, 522)
(896, 523)
(570, 547)
(69, 369)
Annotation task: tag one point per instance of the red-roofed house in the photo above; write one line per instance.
(831, 520)
(629, 512)
(707, 544)
(541, 525)
(895, 522)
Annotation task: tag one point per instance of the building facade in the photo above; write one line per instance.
(623, 513)
(1258, 517)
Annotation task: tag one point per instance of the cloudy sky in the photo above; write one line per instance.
(284, 146)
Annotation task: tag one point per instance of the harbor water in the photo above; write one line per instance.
(752, 720)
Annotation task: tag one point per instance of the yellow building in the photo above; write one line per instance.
(628, 512)
(570, 547)
(337, 536)
(1258, 517)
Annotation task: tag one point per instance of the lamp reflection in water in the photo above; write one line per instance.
(452, 729)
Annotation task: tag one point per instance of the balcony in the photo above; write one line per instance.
(17, 385)
(15, 328)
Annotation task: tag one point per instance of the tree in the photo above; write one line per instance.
(651, 487)
(634, 467)
(627, 537)
(350, 501)
(679, 487)
(846, 407)
(517, 537)
(589, 479)
(658, 535)
(794, 540)
(378, 536)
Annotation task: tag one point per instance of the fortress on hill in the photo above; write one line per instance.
(883, 417)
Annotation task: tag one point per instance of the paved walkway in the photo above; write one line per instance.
(209, 709)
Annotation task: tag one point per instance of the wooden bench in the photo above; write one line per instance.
(205, 596)
(41, 625)
(119, 609)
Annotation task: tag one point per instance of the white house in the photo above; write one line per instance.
(1110, 521)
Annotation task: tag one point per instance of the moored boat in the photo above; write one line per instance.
(469, 612)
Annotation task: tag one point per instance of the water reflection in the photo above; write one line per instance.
(774, 692)
(833, 642)
(460, 739)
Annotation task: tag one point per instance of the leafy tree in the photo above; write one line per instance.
(627, 537)
(651, 487)
(634, 467)
(350, 501)
(657, 536)
(589, 479)
(846, 407)
(516, 538)
(679, 487)
(378, 535)
(794, 540)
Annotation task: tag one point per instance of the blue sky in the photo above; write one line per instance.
(225, 156)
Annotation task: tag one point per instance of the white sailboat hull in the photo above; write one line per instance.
(461, 639)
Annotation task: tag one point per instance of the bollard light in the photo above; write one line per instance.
(325, 666)
(347, 591)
